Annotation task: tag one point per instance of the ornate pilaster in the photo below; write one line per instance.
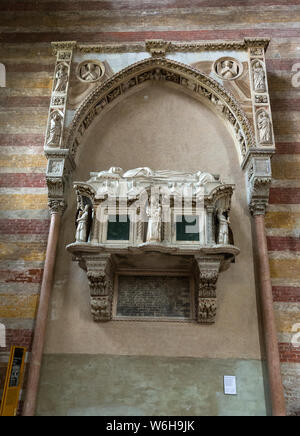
(58, 102)
(207, 272)
(59, 166)
(260, 96)
(100, 273)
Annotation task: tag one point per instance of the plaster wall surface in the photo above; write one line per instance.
(105, 385)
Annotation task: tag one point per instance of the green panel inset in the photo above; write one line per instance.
(187, 228)
(118, 228)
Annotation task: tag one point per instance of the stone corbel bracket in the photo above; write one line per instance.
(59, 169)
(206, 274)
(100, 270)
(259, 178)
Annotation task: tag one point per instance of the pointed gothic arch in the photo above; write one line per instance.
(181, 76)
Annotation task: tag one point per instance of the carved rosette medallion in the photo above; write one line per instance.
(90, 71)
(228, 68)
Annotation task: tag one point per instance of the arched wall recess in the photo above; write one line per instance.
(168, 71)
(254, 156)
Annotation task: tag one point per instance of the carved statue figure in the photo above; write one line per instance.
(228, 69)
(55, 129)
(264, 127)
(113, 172)
(139, 172)
(258, 77)
(156, 74)
(223, 230)
(90, 72)
(82, 225)
(200, 176)
(61, 78)
(154, 223)
(204, 178)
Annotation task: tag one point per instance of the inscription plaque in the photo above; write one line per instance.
(154, 297)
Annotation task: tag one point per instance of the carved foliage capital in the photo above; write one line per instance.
(57, 206)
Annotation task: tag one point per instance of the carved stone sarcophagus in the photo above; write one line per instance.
(150, 222)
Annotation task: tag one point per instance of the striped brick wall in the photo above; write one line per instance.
(28, 27)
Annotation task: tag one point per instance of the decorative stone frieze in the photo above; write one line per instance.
(255, 44)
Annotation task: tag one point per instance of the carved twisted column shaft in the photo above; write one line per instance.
(41, 318)
(270, 331)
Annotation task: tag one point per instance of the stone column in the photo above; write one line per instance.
(56, 210)
(206, 297)
(269, 324)
(259, 181)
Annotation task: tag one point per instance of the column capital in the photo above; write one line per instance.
(57, 206)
